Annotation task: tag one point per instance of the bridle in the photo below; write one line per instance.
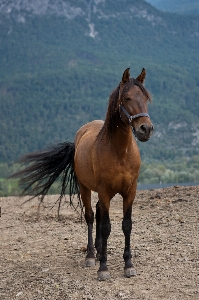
(130, 117)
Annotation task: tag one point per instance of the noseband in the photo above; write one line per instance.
(130, 118)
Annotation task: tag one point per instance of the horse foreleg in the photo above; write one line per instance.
(105, 227)
(89, 217)
(98, 239)
(127, 227)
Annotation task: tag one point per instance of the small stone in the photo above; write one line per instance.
(45, 270)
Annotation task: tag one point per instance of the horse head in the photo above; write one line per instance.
(133, 105)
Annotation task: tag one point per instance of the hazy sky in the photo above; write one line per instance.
(152, 1)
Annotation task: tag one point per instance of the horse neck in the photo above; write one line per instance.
(121, 137)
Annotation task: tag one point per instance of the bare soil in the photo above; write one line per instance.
(43, 258)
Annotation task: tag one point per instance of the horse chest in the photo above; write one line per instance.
(118, 174)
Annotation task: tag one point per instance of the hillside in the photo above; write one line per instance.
(60, 61)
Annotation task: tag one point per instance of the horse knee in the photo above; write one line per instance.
(98, 214)
(127, 223)
(89, 217)
(105, 228)
(126, 226)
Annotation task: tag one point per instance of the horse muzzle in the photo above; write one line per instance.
(144, 132)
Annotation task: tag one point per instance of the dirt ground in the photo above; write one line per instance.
(43, 258)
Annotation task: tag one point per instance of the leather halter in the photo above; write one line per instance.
(130, 117)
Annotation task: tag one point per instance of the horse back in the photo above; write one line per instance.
(92, 129)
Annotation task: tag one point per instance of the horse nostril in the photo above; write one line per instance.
(143, 128)
(146, 129)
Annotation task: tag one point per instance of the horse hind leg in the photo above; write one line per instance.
(89, 217)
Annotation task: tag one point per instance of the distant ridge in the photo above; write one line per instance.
(184, 7)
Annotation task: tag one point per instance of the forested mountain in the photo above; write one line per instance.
(187, 7)
(61, 59)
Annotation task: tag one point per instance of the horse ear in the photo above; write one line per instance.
(126, 75)
(142, 76)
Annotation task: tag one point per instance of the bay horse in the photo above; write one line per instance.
(103, 158)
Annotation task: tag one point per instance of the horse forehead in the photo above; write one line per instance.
(135, 90)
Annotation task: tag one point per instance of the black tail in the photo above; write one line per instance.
(45, 167)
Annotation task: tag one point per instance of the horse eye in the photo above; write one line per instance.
(128, 99)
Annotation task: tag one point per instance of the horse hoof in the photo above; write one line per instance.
(90, 262)
(129, 272)
(103, 275)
